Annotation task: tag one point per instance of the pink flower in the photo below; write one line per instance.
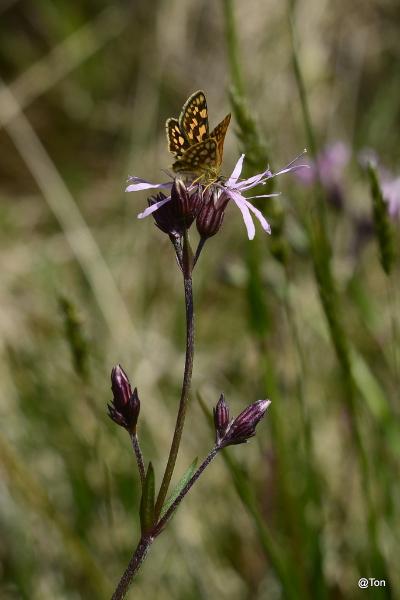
(232, 189)
(328, 166)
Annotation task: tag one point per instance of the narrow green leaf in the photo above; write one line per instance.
(147, 501)
(179, 486)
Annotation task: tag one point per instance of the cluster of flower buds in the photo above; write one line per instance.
(211, 215)
(239, 430)
(178, 214)
(189, 203)
(125, 406)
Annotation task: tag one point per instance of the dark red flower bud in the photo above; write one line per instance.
(125, 406)
(221, 418)
(211, 215)
(187, 202)
(167, 217)
(244, 426)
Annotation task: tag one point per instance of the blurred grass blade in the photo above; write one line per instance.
(75, 337)
(382, 224)
(279, 562)
(147, 501)
(179, 486)
(38, 500)
(64, 207)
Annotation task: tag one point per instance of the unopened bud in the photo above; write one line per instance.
(167, 217)
(221, 418)
(244, 426)
(125, 406)
(211, 215)
(187, 202)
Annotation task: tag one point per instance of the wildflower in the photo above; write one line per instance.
(175, 212)
(126, 404)
(240, 429)
(328, 168)
(230, 189)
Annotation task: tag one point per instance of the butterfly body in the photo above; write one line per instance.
(197, 151)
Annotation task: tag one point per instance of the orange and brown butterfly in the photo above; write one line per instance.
(196, 150)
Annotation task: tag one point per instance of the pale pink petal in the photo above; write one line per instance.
(290, 169)
(141, 184)
(241, 204)
(263, 221)
(153, 208)
(236, 172)
(264, 196)
(247, 184)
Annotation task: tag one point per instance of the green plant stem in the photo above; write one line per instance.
(233, 46)
(321, 255)
(393, 302)
(187, 378)
(313, 483)
(166, 517)
(139, 458)
(146, 540)
(134, 565)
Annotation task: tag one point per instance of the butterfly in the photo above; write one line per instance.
(196, 150)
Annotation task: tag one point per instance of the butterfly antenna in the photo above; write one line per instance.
(168, 173)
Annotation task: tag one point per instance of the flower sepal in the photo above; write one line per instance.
(241, 429)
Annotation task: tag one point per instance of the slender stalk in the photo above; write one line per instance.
(300, 83)
(321, 256)
(393, 303)
(187, 378)
(199, 249)
(165, 518)
(139, 458)
(233, 47)
(145, 542)
(134, 565)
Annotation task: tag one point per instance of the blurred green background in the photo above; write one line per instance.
(312, 503)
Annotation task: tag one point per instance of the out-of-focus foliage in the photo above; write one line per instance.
(85, 91)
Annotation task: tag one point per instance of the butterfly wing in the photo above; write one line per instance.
(198, 158)
(193, 119)
(195, 149)
(177, 142)
(218, 134)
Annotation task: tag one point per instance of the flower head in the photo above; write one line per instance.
(180, 210)
(240, 429)
(125, 404)
(220, 192)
